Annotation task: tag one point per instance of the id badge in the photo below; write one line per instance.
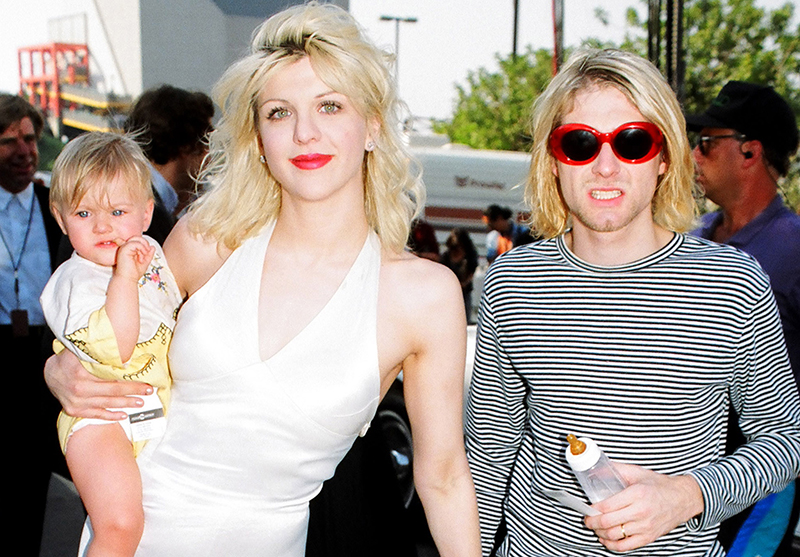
(148, 422)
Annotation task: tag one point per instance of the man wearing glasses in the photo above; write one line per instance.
(620, 327)
(745, 143)
(746, 140)
(29, 240)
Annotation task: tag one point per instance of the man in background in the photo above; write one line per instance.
(30, 238)
(747, 138)
(504, 232)
(172, 125)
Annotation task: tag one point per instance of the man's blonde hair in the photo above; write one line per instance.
(93, 160)
(242, 193)
(674, 207)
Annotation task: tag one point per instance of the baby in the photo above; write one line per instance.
(113, 304)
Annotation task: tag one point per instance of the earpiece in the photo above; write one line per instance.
(748, 155)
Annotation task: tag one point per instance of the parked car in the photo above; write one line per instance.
(392, 418)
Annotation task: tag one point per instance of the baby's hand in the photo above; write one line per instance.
(133, 257)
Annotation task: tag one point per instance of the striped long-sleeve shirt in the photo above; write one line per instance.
(643, 358)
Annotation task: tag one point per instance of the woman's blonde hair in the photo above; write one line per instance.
(242, 194)
(674, 207)
(93, 160)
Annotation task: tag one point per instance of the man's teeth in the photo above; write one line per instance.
(605, 194)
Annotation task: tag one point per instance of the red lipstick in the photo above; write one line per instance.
(311, 161)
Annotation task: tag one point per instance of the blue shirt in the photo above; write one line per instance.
(33, 260)
(168, 195)
(773, 238)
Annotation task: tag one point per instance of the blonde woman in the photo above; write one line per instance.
(302, 308)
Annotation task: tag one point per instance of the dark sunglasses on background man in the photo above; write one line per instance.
(633, 143)
(704, 142)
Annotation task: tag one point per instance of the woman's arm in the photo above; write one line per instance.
(192, 258)
(433, 379)
(83, 395)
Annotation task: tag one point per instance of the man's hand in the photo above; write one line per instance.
(653, 505)
(83, 395)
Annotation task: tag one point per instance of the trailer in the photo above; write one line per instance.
(462, 182)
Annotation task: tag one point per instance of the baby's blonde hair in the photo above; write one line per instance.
(93, 160)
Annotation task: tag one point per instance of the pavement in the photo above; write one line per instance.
(63, 519)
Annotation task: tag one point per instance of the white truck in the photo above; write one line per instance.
(462, 182)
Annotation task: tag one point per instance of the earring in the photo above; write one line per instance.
(263, 159)
(370, 146)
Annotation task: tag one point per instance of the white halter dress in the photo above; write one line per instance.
(249, 442)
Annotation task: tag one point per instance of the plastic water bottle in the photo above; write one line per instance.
(594, 471)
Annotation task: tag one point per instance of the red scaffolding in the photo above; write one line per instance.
(43, 69)
(55, 77)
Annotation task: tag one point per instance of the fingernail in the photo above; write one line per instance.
(149, 390)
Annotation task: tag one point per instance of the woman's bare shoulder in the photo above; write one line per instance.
(193, 258)
(420, 304)
(416, 281)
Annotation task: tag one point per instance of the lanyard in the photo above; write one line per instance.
(16, 264)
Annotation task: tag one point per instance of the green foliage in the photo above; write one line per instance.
(723, 39)
(736, 40)
(601, 15)
(790, 188)
(729, 40)
(492, 112)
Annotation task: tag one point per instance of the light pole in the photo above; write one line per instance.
(516, 29)
(397, 21)
(558, 34)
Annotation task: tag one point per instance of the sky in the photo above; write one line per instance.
(453, 37)
(449, 39)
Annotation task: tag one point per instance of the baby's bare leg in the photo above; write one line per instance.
(101, 462)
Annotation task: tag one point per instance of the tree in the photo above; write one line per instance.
(724, 40)
(732, 40)
(493, 111)
(729, 40)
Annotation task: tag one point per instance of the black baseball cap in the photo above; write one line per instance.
(756, 111)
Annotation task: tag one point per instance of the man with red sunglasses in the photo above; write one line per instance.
(746, 139)
(621, 327)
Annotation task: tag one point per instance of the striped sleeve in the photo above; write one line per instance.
(495, 421)
(645, 358)
(768, 416)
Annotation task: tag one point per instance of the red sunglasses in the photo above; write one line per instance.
(634, 142)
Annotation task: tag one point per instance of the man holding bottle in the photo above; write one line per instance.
(622, 328)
